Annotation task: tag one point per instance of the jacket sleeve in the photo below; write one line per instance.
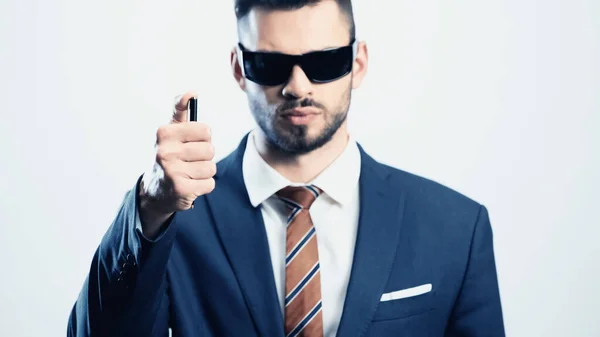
(125, 292)
(478, 309)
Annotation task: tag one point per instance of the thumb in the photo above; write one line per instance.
(180, 108)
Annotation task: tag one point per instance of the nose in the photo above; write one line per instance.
(298, 85)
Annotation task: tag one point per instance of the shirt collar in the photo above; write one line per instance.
(338, 180)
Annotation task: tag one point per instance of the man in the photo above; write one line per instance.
(298, 232)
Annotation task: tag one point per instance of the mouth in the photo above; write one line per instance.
(300, 116)
(305, 111)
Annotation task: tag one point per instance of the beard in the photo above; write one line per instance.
(295, 139)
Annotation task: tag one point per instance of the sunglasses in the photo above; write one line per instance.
(274, 68)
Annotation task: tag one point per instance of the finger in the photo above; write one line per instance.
(180, 107)
(200, 170)
(204, 186)
(186, 186)
(184, 132)
(197, 151)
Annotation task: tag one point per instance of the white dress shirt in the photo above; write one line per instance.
(334, 215)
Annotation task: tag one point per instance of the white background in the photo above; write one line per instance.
(497, 99)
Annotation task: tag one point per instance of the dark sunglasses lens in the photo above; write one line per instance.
(267, 68)
(329, 65)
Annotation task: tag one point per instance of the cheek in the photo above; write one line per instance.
(273, 95)
(253, 90)
(267, 96)
(332, 94)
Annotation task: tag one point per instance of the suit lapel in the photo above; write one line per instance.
(381, 210)
(243, 234)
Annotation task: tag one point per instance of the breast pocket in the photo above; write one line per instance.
(405, 302)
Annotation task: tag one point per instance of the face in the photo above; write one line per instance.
(298, 115)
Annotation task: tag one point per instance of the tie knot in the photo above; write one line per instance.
(299, 196)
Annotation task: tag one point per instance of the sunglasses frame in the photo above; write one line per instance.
(242, 50)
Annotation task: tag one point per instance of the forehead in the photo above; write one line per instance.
(313, 27)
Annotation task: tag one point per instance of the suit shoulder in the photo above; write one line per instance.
(432, 197)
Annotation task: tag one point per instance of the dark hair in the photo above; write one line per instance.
(243, 7)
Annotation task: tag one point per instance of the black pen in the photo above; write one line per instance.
(193, 109)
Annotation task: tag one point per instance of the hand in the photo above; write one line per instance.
(182, 171)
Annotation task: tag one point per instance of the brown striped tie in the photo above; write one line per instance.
(303, 315)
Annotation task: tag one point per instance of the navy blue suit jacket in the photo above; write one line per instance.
(209, 274)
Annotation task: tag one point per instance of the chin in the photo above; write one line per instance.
(300, 139)
(300, 144)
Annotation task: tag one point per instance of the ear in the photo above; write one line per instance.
(236, 69)
(361, 63)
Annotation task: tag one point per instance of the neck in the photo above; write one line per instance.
(303, 168)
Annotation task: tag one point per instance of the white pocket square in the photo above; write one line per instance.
(404, 293)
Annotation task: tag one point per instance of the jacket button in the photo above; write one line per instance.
(131, 259)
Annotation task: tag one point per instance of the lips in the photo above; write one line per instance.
(301, 112)
(300, 116)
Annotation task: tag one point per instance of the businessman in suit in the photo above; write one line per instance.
(299, 231)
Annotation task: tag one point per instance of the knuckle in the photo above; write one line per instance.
(213, 169)
(210, 150)
(169, 152)
(163, 132)
(164, 153)
(210, 169)
(205, 130)
(160, 156)
(210, 185)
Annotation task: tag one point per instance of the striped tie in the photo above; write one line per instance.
(303, 315)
